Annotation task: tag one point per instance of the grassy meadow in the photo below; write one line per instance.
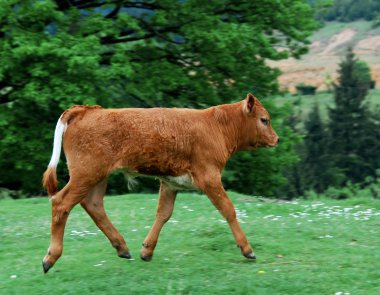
(303, 247)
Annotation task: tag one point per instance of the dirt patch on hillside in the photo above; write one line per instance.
(338, 40)
(369, 45)
(319, 67)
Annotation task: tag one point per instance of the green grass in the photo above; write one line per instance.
(328, 30)
(332, 28)
(303, 247)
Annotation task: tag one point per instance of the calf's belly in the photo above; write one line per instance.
(181, 182)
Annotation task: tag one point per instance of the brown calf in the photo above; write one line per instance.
(184, 148)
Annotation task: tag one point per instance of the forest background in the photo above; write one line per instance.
(196, 54)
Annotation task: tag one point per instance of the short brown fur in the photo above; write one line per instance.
(166, 143)
(50, 181)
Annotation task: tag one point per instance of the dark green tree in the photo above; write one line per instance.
(346, 10)
(317, 164)
(294, 173)
(354, 142)
(131, 53)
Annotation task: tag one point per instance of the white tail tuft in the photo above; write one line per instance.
(59, 130)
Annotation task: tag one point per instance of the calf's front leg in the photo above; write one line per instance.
(214, 190)
(164, 211)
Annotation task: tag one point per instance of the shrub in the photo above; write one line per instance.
(306, 89)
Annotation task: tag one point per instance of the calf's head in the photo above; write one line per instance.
(257, 130)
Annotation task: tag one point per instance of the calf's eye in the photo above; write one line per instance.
(264, 121)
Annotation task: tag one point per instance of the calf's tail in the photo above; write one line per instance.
(49, 180)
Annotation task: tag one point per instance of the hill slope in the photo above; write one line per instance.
(328, 46)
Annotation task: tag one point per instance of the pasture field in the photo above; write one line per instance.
(303, 247)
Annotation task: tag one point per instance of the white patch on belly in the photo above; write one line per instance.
(183, 182)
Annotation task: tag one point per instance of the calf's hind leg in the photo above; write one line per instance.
(94, 206)
(62, 203)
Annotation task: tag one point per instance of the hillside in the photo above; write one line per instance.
(327, 48)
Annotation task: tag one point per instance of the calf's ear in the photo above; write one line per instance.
(249, 103)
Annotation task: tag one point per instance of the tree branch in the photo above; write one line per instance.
(109, 40)
(142, 5)
(84, 4)
(114, 12)
(152, 32)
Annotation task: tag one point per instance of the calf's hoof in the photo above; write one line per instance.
(146, 258)
(251, 256)
(46, 265)
(146, 253)
(125, 254)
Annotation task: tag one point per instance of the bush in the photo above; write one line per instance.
(370, 188)
(306, 89)
(338, 193)
(9, 194)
